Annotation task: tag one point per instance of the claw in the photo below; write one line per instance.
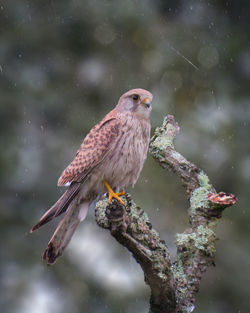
(113, 194)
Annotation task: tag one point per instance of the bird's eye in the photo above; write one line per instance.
(135, 97)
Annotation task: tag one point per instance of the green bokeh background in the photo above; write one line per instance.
(63, 65)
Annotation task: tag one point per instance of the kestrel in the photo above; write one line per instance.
(110, 158)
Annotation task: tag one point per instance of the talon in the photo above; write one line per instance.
(113, 194)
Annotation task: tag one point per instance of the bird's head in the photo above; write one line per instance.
(137, 101)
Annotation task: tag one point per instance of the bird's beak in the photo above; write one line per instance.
(146, 102)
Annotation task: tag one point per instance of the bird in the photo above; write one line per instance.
(109, 159)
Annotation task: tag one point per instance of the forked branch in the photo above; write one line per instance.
(173, 285)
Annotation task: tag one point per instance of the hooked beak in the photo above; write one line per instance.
(146, 102)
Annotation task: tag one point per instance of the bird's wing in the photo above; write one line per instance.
(93, 150)
(59, 207)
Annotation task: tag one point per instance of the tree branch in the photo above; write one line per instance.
(131, 227)
(173, 285)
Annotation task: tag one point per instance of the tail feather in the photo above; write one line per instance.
(65, 230)
(59, 207)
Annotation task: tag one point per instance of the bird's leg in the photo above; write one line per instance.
(113, 194)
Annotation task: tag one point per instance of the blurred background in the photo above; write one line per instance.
(63, 66)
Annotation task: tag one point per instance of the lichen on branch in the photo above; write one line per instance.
(173, 285)
(131, 227)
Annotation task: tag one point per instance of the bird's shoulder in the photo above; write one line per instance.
(102, 132)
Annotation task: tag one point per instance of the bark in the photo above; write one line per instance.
(173, 285)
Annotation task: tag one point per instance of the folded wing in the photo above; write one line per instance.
(93, 150)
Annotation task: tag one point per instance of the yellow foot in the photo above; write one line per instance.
(113, 194)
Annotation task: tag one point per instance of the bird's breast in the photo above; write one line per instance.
(125, 161)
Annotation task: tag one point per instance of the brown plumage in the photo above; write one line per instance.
(111, 157)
